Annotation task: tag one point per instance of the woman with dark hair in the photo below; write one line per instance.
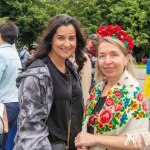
(50, 91)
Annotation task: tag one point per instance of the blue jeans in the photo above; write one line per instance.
(10, 140)
(12, 113)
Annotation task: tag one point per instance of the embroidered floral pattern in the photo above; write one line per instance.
(117, 109)
(105, 116)
(140, 97)
(109, 101)
(118, 106)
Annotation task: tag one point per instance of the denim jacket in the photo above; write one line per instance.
(9, 69)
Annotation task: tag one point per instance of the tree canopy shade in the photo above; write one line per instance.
(33, 15)
(30, 16)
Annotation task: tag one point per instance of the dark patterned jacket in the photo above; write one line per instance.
(35, 99)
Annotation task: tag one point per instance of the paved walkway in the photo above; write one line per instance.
(141, 76)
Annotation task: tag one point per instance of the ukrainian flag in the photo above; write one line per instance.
(147, 82)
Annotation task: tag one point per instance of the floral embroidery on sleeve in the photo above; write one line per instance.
(91, 102)
(117, 110)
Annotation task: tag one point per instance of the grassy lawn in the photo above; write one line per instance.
(140, 65)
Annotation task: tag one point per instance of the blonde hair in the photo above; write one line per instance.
(99, 76)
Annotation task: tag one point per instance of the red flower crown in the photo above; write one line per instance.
(116, 32)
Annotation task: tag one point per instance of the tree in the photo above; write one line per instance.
(86, 11)
(2, 20)
(132, 15)
(33, 15)
(30, 16)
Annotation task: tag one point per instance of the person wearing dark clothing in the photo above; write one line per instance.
(91, 52)
(48, 85)
(61, 103)
(24, 54)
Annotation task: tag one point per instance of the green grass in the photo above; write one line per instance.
(140, 65)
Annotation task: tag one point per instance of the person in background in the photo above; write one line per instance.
(86, 75)
(115, 117)
(10, 139)
(147, 85)
(34, 46)
(32, 52)
(49, 85)
(13, 130)
(91, 52)
(24, 54)
(9, 69)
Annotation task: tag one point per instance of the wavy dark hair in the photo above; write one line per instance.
(46, 39)
(9, 32)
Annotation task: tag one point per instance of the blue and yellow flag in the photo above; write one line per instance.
(147, 82)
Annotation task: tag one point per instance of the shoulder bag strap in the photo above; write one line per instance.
(69, 114)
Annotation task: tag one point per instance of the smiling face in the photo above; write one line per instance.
(64, 42)
(111, 60)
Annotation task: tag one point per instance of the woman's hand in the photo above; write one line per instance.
(82, 148)
(84, 139)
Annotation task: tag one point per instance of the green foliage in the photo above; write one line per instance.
(140, 66)
(3, 20)
(132, 15)
(85, 10)
(32, 16)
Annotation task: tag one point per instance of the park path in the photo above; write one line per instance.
(141, 76)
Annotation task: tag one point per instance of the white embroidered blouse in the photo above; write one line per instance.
(124, 112)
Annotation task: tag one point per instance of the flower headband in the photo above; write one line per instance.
(116, 32)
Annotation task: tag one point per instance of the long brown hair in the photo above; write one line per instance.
(46, 39)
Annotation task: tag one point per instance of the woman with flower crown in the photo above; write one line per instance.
(115, 116)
